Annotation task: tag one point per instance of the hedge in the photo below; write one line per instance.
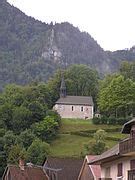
(110, 120)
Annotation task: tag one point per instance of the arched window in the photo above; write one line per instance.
(82, 108)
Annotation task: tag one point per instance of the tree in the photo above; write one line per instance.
(38, 151)
(80, 80)
(26, 138)
(46, 129)
(128, 70)
(21, 119)
(9, 140)
(98, 145)
(16, 152)
(117, 97)
(38, 111)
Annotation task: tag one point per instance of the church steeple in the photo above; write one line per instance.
(63, 88)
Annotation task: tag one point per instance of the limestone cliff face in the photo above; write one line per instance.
(51, 50)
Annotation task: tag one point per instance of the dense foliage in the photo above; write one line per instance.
(80, 80)
(98, 145)
(26, 123)
(117, 93)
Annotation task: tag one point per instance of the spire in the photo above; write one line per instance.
(63, 88)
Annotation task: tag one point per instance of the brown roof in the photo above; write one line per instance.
(111, 153)
(127, 126)
(76, 100)
(68, 168)
(29, 173)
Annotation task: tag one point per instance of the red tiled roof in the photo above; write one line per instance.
(94, 168)
(29, 173)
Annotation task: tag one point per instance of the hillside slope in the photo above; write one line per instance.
(32, 51)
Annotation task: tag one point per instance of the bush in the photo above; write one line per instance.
(38, 151)
(112, 120)
(46, 129)
(104, 120)
(55, 115)
(122, 121)
(96, 120)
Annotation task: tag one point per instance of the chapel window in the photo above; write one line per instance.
(72, 108)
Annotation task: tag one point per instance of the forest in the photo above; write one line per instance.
(28, 124)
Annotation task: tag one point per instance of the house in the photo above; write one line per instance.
(89, 172)
(73, 106)
(21, 172)
(63, 168)
(118, 163)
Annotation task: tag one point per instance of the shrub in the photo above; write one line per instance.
(96, 120)
(122, 121)
(112, 120)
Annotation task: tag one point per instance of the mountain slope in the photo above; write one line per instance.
(31, 50)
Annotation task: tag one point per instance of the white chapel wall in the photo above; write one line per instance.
(74, 111)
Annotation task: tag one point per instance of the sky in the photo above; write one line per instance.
(109, 22)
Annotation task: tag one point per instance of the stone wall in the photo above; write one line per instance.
(74, 111)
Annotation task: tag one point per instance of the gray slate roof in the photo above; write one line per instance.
(76, 100)
(70, 167)
(107, 154)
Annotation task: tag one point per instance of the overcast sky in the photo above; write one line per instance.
(110, 22)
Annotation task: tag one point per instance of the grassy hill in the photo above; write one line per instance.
(74, 134)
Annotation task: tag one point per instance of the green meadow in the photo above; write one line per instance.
(70, 142)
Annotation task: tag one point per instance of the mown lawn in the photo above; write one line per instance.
(73, 125)
(69, 145)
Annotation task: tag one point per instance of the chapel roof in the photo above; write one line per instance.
(75, 100)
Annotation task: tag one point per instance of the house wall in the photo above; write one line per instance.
(113, 168)
(74, 111)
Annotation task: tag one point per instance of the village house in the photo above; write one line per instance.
(89, 172)
(118, 163)
(24, 172)
(62, 168)
(80, 107)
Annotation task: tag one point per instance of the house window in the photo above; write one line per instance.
(72, 108)
(119, 167)
(132, 164)
(107, 172)
(82, 108)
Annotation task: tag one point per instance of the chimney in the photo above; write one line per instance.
(21, 164)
